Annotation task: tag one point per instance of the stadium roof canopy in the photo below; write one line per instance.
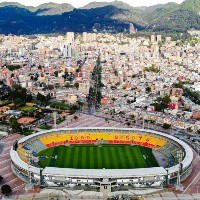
(104, 173)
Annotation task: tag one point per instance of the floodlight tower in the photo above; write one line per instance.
(54, 118)
(29, 185)
(143, 120)
(180, 157)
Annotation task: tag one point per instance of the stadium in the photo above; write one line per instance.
(101, 159)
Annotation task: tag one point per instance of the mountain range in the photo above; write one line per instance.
(112, 17)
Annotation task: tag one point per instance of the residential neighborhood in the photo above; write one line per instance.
(154, 78)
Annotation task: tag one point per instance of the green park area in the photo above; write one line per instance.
(28, 109)
(45, 127)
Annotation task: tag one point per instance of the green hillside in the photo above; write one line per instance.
(112, 17)
(191, 5)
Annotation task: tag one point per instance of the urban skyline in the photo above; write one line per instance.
(105, 114)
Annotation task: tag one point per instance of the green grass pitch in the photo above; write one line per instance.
(95, 157)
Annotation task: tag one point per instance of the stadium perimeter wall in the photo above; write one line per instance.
(104, 179)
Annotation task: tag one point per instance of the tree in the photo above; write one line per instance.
(129, 101)
(75, 117)
(178, 85)
(166, 99)
(66, 75)
(29, 97)
(56, 73)
(18, 92)
(166, 126)
(122, 112)
(49, 87)
(158, 106)
(13, 67)
(1, 178)
(161, 103)
(113, 99)
(159, 99)
(18, 102)
(48, 97)
(40, 97)
(14, 124)
(76, 85)
(134, 76)
(57, 85)
(19, 95)
(80, 103)
(6, 189)
(128, 123)
(152, 69)
(74, 108)
(113, 87)
(148, 89)
(98, 98)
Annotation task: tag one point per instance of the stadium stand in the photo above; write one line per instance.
(88, 136)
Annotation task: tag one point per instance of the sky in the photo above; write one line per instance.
(80, 3)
